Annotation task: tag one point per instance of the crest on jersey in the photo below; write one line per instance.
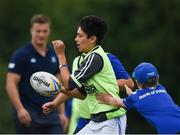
(33, 60)
(53, 59)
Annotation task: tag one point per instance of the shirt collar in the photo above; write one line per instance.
(94, 48)
(31, 47)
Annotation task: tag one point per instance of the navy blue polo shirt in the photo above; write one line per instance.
(26, 61)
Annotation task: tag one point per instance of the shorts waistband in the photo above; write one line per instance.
(102, 116)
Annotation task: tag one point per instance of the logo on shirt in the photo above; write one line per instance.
(91, 89)
(33, 60)
(151, 74)
(153, 92)
(53, 59)
(11, 65)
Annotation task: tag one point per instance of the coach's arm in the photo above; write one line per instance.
(12, 82)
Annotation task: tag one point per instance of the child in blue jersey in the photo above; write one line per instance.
(151, 100)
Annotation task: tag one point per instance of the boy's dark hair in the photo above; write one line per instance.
(40, 18)
(94, 26)
(151, 82)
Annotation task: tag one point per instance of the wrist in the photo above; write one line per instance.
(61, 55)
(57, 102)
(115, 102)
(62, 65)
(19, 108)
(62, 114)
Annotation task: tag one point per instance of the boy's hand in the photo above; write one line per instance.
(49, 107)
(108, 99)
(128, 90)
(59, 47)
(105, 98)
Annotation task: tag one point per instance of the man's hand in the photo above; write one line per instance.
(24, 116)
(49, 107)
(59, 47)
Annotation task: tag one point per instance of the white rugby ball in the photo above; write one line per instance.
(45, 83)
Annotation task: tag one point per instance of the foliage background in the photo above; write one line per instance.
(139, 30)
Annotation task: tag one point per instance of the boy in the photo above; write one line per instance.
(151, 100)
(80, 112)
(94, 74)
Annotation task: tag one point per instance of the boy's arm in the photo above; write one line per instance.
(128, 90)
(65, 94)
(64, 71)
(74, 83)
(108, 99)
(122, 82)
(128, 102)
(62, 97)
(73, 93)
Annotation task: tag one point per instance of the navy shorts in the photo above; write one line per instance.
(41, 124)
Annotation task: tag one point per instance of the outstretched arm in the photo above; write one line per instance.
(50, 106)
(108, 99)
(62, 97)
(128, 102)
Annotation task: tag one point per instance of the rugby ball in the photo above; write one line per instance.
(45, 83)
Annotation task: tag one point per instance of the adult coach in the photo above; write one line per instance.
(95, 74)
(32, 57)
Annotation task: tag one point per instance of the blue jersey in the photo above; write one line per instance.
(118, 68)
(157, 107)
(26, 61)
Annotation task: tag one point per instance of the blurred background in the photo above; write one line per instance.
(139, 30)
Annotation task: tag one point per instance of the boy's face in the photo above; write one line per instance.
(84, 44)
(40, 33)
